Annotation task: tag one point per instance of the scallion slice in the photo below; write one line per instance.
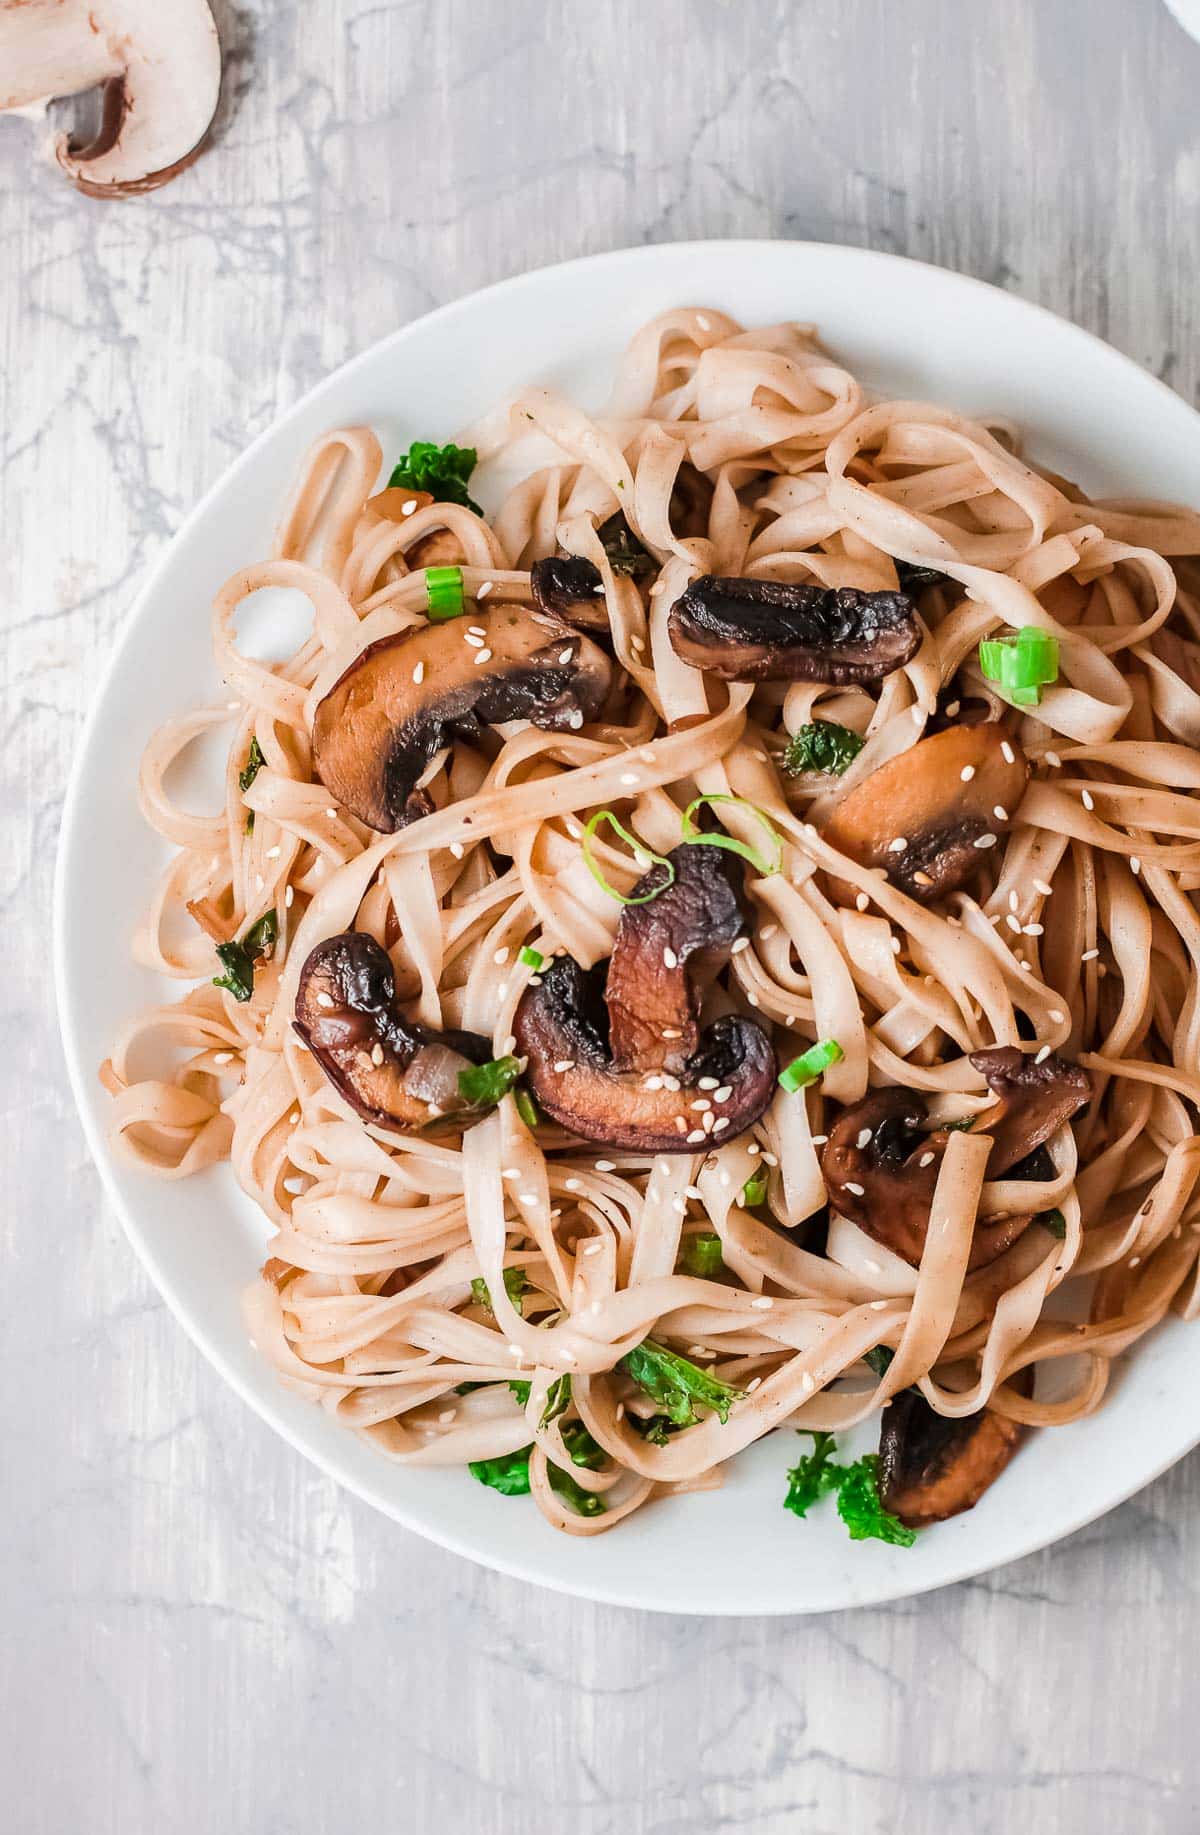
(810, 1064)
(444, 588)
(1021, 663)
(639, 848)
(532, 958)
(762, 863)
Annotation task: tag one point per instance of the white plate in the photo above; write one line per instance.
(905, 328)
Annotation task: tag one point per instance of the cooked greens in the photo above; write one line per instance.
(822, 745)
(675, 1383)
(443, 471)
(238, 958)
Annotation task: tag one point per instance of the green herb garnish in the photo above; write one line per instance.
(963, 1125)
(857, 1487)
(238, 959)
(558, 1400)
(813, 1476)
(640, 849)
(675, 1383)
(1021, 663)
(515, 1284)
(584, 1503)
(754, 1191)
(625, 552)
(762, 863)
(880, 1358)
(527, 1109)
(700, 1254)
(444, 594)
(246, 776)
(1055, 1222)
(810, 1065)
(482, 1085)
(509, 1474)
(822, 745)
(443, 471)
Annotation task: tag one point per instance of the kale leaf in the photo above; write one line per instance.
(857, 1487)
(238, 959)
(822, 745)
(443, 471)
(515, 1284)
(675, 1383)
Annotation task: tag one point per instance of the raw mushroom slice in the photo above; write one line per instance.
(929, 816)
(392, 1070)
(638, 1074)
(880, 1168)
(158, 61)
(747, 630)
(407, 697)
(932, 1466)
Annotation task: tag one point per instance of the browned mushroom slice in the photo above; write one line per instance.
(880, 1171)
(569, 587)
(1035, 1100)
(748, 630)
(638, 1074)
(932, 1466)
(392, 1070)
(929, 816)
(407, 697)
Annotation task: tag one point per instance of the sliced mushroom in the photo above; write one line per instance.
(638, 1073)
(929, 816)
(392, 1070)
(1035, 1099)
(407, 697)
(779, 631)
(880, 1169)
(932, 1466)
(158, 62)
(569, 587)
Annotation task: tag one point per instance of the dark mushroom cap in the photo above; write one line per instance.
(406, 697)
(392, 1070)
(569, 587)
(880, 1169)
(606, 1071)
(1034, 1101)
(932, 1466)
(885, 1185)
(943, 819)
(747, 630)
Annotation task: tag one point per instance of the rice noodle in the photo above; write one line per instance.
(1081, 931)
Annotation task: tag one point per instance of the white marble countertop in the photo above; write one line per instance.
(199, 1631)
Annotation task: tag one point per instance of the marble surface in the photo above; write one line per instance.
(199, 1631)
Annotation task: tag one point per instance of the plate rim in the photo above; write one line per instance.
(80, 1074)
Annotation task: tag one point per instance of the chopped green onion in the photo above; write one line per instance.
(1021, 663)
(754, 1191)
(515, 1284)
(532, 958)
(527, 1108)
(760, 862)
(482, 1085)
(700, 1254)
(639, 848)
(444, 589)
(822, 745)
(809, 1065)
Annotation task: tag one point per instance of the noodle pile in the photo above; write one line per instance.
(1082, 921)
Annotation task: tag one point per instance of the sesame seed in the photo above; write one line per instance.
(1087, 799)
(527, 1197)
(707, 1121)
(877, 1306)
(591, 1248)
(671, 1083)
(500, 955)
(768, 931)
(1042, 1055)
(701, 1104)
(457, 849)
(485, 589)
(895, 942)
(1000, 813)
(564, 1064)
(927, 1159)
(1013, 901)
(377, 1053)
(652, 1083)
(564, 656)
(985, 841)
(808, 1382)
(819, 1140)
(324, 1000)
(332, 814)
(1014, 923)
(670, 959)
(697, 1134)
(864, 1138)
(1053, 759)
(857, 1190)
(598, 589)
(1135, 865)
(1039, 885)
(769, 1158)
(763, 1302)
(898, 845)
(967, 773)
(722, 1123)
(707, 1083)
(418, 674)
(293, 1186)
(575, 720)
(484, 656)
(639, 643)
(741, 944)
(629, 777)
(1010, 757)
(861, 902)
(605, 1166)
(1033, 930)
(1089, 955)
(289, 897)
(1057, 1015)
(724, 1093)
(753, 1148)
(223, 1057)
